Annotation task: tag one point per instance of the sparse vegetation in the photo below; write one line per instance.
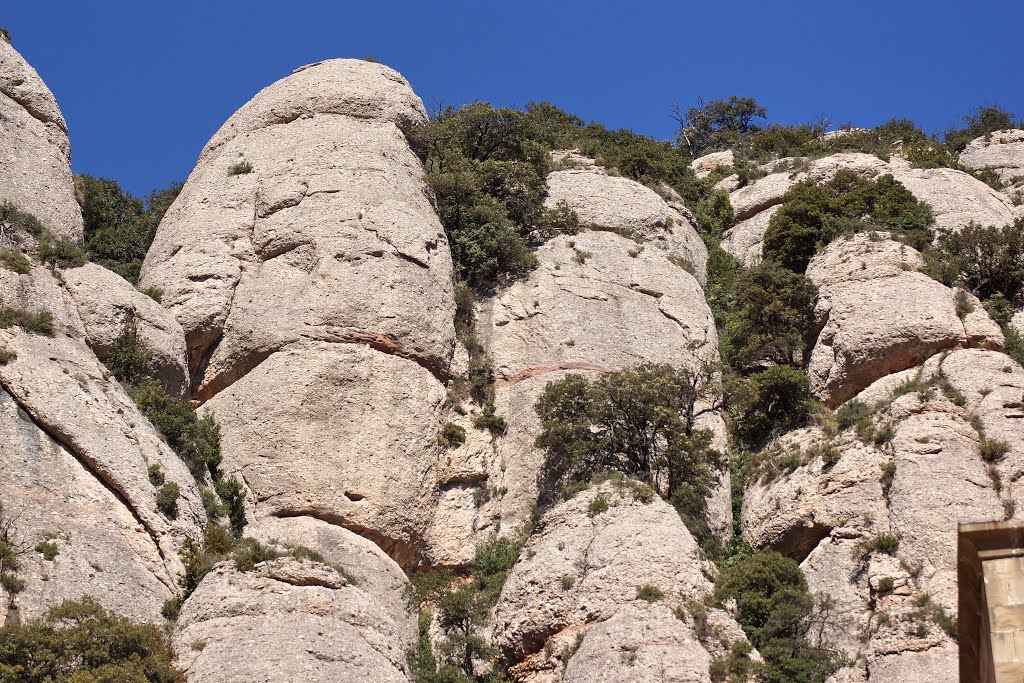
(240, 168)
(82, 642)
(812, 215)
(36, 322)
(461, 607)
(452, 435)
(649, 593)
(884, 544)
(15, 262)
(167, 499)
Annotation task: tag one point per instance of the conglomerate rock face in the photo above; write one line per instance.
(75, 458)
(880, 315)
(597, 303)
(313, 282)
(36, 154)
(308, 304)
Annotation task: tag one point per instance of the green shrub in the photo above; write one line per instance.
(993, 450)
(597, 506)
(82, 642)
(232, 495)
(130, 359)
(813, 215)
(167, 499)
(982, 121)
(38, 322)
(241, 168)
(886, 585)
(771, 316)
(774, 607)
(119, 228)
(988, 261)
(481, 380)
(999, 309)
(640, 422)
(718, 124)
(853, 412)
(491, 421)
(20, 220)
(568, 581)
(195, 439)
(649, 593)
(6, 355)
(60, 253)
(15, 262)
(886, 544)
(249, 552)
(48, 549)
(156, 475)
(452, 435)
(769, 402)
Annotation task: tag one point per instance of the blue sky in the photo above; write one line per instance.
(145, 84)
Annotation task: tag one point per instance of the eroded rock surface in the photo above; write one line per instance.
(956, 198)
(624, 206)
(580, 566)
(288, 620)
(1002, 151)
(597, 303)
(880, 315)
(105, 302)
(313, 284)
(913, 475)
(36, 154)
(75, 465)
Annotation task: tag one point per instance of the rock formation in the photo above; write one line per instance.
(36, 153)
(313, 282)
(308, 305)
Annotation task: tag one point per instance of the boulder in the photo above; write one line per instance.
(640, 643)
(36, 155)
(105, 301)
(745, 240)
(582, 566)
(624, 206)
(288, 620)
(329, 236)
(374, 572)
(1002, 151)
(339, 432)
(957, 199)
(75, 467)
(879, 315)
(705, 165)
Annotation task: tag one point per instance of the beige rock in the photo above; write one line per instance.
(705, 165)
(105, 301)
(36, 157)
(621, 205)
(330, 237)
(375, 573)
(287, 621)
(623, 306)
(916, 486)
(881, 315)
(580, 567)
(745, 240)
(339, 432)
(79, 445)
(640, 643)
(1002, 151)
(957, 199)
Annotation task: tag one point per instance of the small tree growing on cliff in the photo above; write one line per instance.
(641, 422)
